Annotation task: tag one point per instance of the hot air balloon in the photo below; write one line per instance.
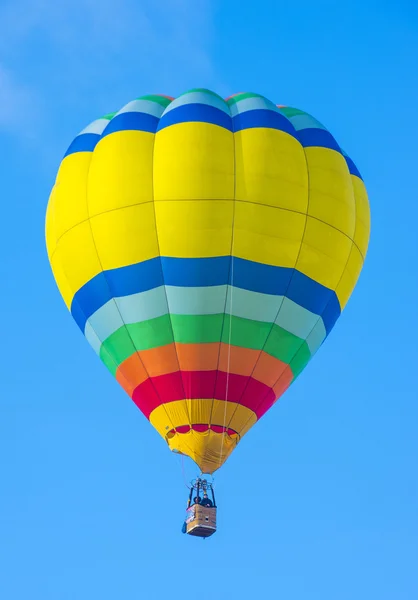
(206, 248)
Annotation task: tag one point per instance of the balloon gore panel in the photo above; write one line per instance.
(206, 248)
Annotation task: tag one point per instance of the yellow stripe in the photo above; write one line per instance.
(67, 203)
(194, 161)
(174, 414)
(125, 236)
(75, 261)
(324, 253)
(194, 229)
(121, 171)
(188, 229)
(331, 197)
(209, 450)
(267, 235)
(270, 168)
(70, 194)
(235, 419)
(50, 234)
(362, 215)
(350, 276)
(246, 428)
(61, 280)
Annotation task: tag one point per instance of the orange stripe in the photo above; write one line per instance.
(131, 373)
(160, 361)
(202, 357)
(148, 363)
(198, 357)
(243, 360)
(283, 383)
(269, 369)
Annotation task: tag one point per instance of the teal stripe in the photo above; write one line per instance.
(199, 97)
(253, 103)
(305, 122)
(139, 307)
(289, 111)
(241, 96)
(254, 306)
(92, 338)
(204, 90)
(158, 98)
(145, 106)
(297, 320)
(194, 301)
(98, 126)
(316, 337)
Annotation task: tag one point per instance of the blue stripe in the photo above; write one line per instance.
(263, 118)
(200, 113)
(115, 283)
(196, 272)
(315, 297)
(86, 142)
(281, 281)
(202, 272)
(331, 312)
(317, 137)
(132, 121)
(257, 277)
(352, 167)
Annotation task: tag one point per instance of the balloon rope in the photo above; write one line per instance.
(183, 471)
(229, 359)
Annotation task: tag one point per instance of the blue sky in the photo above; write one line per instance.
(320, 499)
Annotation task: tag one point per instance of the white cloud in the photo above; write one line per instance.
(18, 104)
(102, 53)
(87, 34)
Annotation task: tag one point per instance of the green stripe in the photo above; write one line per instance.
(300, 360)
(158, 99)
(108, 360)
(197, 329)
(284, 345)
(202, 91)
(204, 329)
(245, 332)
(136, 337)
(242, 96)
(288, 111)
(109, 116)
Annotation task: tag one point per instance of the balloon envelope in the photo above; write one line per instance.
(206, 248)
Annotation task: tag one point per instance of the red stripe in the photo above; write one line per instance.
(249, 392)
